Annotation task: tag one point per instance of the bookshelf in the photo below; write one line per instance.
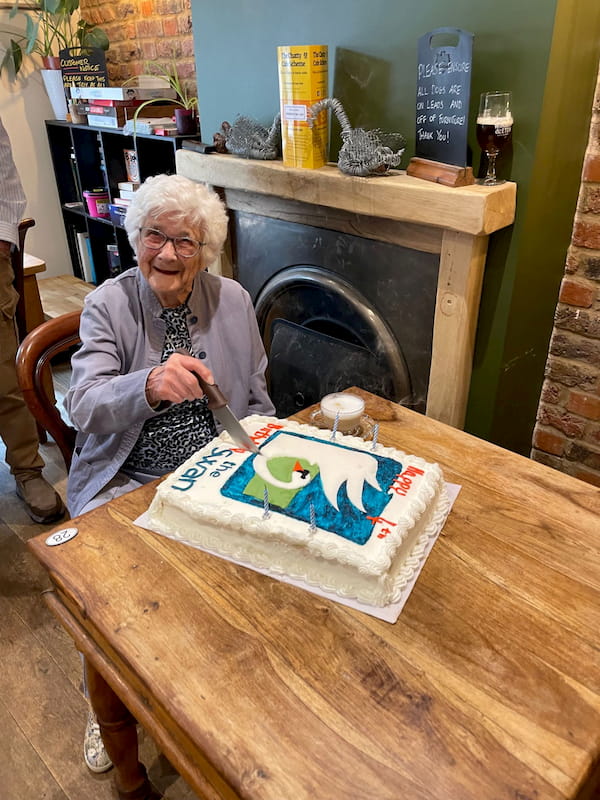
(86, 158)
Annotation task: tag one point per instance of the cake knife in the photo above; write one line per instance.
(217, 403)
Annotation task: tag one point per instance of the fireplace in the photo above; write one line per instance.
(336, 309)
(372, 282)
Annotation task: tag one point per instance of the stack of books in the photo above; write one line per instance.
(126, 191)
(114, 106)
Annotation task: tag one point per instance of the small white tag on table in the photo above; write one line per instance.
(62, 536)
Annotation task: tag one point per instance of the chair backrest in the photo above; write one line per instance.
(33, 368)
(16, 259)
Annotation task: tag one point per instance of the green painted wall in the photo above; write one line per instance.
(551, 69)
(520, 325)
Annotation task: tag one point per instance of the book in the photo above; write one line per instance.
(118, 112)
(72, 232)
(85, 254)
(102, 101)
(102, 121)
(165, 132)
(126, 194)
(148, 124)
(151, 110)
(131, 186)
(121, 92)
(75, 173)
(126, 112)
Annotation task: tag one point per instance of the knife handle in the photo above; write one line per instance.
(216, 398)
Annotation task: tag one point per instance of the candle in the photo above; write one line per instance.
(375, 435)
(348, 408)
(266, 513)
(313, 519)
(336, 423)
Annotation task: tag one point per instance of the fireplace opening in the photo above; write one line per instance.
(322, 336)
(337, 310)
(329, 327)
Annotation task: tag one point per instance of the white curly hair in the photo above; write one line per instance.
(187, 200)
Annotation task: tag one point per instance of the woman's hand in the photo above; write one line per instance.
(175, 380)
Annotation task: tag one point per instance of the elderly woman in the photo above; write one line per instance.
(134, 399)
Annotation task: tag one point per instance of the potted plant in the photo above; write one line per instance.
(50, 26)
(186, 116)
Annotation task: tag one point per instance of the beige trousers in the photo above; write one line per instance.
(17, 427)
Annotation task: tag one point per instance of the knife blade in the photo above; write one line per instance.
(217, 403)
(230, 422)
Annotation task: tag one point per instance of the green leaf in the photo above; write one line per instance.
(31, 35)
(95, 37)
(14, 10)
(52, 6)
(69, 6)
(13, 56)
(17, 54)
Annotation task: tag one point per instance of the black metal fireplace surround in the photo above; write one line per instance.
(337, 310)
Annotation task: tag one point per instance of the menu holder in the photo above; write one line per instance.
(442, 108)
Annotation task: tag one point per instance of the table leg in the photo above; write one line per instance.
(119, 734)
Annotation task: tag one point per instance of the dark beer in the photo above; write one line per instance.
(493, 134)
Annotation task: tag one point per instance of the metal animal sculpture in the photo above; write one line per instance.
(363, 153)
(249, 139)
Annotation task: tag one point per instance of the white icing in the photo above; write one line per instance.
(189, 506)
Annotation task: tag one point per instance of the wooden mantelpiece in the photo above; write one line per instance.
(397, 208)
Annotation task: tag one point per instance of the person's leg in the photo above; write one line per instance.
(17, 426)
(94, 752)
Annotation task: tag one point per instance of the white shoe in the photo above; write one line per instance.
(94, 754)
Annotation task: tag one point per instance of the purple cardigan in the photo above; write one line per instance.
(122, 337)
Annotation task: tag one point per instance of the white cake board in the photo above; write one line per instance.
(386, 613)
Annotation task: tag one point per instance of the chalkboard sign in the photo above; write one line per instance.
(83, 67)
(443, 89)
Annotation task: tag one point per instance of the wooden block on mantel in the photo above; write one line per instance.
(62, 293)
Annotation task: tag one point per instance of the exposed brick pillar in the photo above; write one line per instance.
(567, 431)
(145, 31)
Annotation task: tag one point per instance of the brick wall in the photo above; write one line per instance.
(158, 31)
(567, 431)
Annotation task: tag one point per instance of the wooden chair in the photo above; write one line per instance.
(16, 259)
(33, 360)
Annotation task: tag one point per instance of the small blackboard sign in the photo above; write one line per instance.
(443, 89)
(83, 67)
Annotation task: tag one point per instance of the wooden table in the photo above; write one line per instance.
(487, 687)
(32, 266)
(63, 293)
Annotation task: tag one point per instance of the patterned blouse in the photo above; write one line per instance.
(169, 438)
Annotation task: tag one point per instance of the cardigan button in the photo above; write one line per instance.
(193, 320)
(202, 354)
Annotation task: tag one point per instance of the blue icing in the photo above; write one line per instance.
(348, 521)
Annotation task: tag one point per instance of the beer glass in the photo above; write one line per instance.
(494, 130)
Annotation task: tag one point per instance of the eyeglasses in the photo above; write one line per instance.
(183, 245)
